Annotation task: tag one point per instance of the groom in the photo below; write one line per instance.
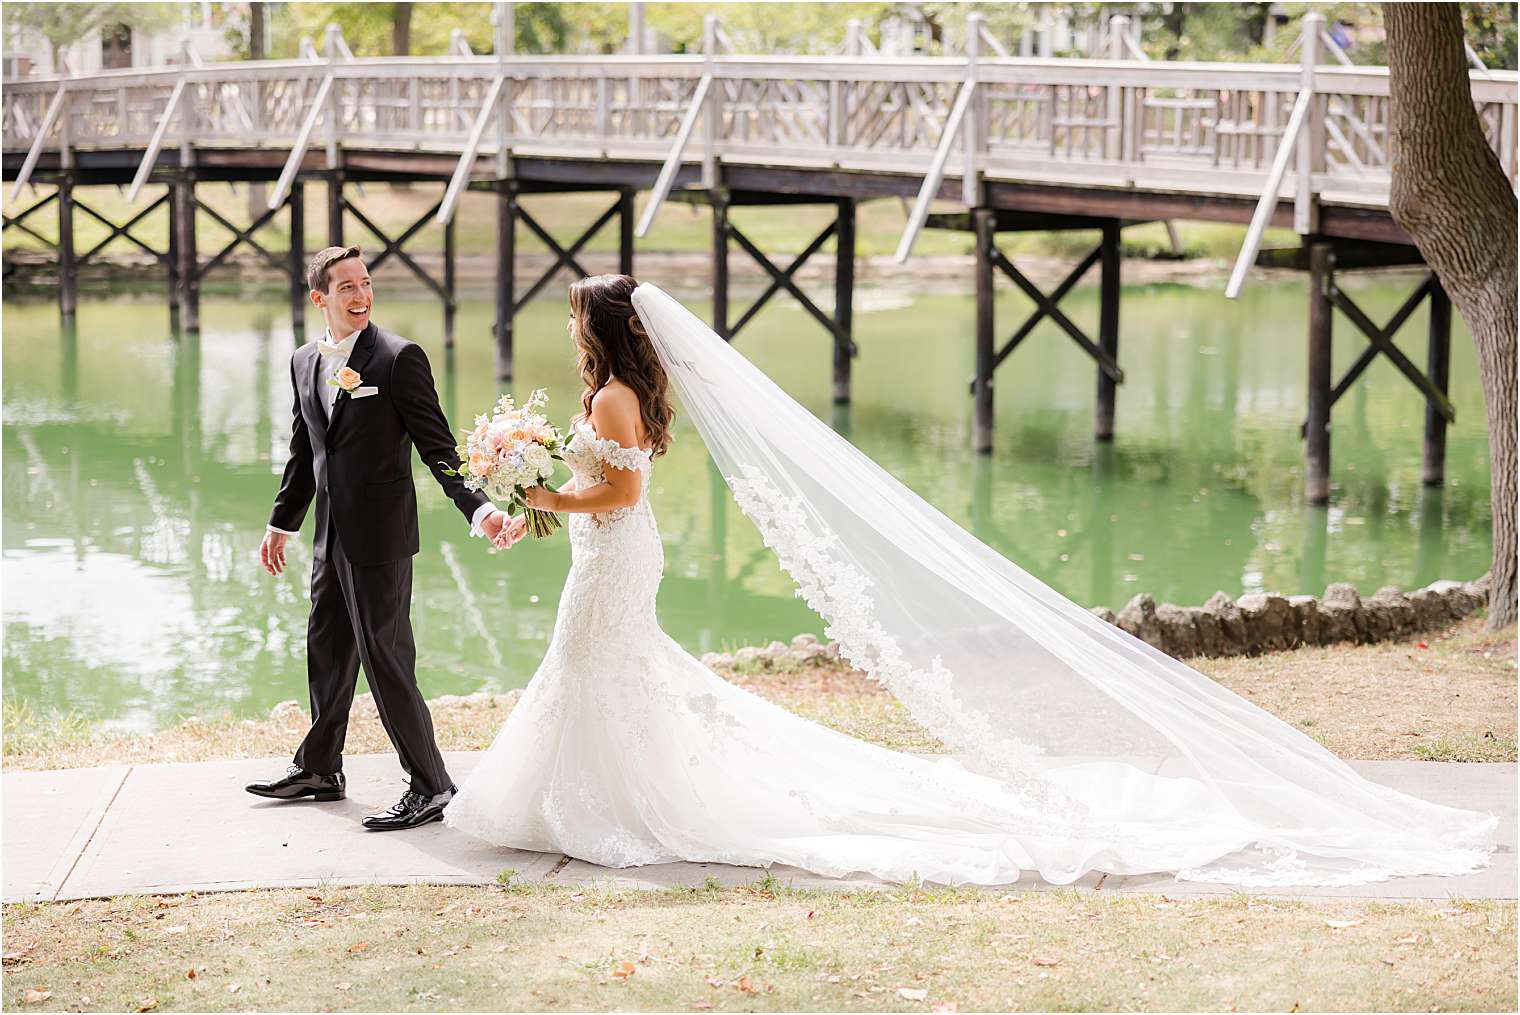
(363, 398)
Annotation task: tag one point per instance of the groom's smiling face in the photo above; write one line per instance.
(349, 298)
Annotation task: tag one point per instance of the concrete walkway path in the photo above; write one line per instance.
(157, 829)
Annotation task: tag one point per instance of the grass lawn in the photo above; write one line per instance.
(766, 946)
(1451, 701)
(763, 947)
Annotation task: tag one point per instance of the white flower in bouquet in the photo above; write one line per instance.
(508, 453)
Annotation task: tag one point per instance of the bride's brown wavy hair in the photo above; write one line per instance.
(611, 342)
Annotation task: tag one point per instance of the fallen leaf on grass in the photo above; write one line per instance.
(713, 981)
(358, 947)
(178, 929)
(345, 985)
(190, 973)
(1037, 960)
(701, 1005)
(148, 1004)
(1342, 924)
(233, 988)
(1412, 939)
(304, 923)
(912, 994)
(623, 970)
(35, 996)
(913, 921)
(745, 985)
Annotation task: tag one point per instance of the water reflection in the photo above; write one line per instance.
(139, 467)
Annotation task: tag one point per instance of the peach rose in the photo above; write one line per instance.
(480, 463)
(348, 379)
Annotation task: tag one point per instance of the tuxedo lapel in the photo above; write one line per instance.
(364, 347)
(311, 393)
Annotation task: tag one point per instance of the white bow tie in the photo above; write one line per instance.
(339, 349)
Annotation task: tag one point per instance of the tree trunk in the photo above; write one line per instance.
(1450, 194)
(401, 30)
(258, 198)
(256, 45)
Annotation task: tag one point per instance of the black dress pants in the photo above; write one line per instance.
(363, 615)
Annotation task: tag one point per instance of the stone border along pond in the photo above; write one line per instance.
(1250, 625)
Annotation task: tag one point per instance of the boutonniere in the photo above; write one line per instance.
(347, 379)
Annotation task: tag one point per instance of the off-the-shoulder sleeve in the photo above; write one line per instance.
(617, 456)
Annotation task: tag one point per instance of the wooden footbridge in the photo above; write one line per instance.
(1007, 144)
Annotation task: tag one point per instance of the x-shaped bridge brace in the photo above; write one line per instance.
(1381, 340)
(563, 256)
(17, 221)
(122, 230)
(243, 237)
(1048, 306)
(782, 278)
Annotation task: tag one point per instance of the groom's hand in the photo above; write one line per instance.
(492, 524)
(272, 552)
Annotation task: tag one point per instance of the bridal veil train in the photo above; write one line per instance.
(1076, 746)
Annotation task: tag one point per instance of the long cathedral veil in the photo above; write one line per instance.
(1125, 746)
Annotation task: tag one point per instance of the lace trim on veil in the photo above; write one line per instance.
(837, 592)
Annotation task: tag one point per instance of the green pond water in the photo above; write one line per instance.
(139, 469)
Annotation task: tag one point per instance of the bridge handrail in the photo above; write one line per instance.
(1192, 127)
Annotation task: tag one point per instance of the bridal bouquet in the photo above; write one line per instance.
(508, 452)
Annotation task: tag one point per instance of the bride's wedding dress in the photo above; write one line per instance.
(1084, 748)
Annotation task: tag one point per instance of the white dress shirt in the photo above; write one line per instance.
(335, 358)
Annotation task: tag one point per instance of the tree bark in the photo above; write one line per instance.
(257, 197)
(256, 49)
(401, 30)
(1450, 194)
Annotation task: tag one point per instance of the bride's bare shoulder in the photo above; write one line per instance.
(615, 413)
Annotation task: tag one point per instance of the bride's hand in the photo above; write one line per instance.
(541, 498)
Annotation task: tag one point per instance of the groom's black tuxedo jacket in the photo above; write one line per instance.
(358, 464)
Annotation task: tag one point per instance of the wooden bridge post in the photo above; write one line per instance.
(1317, 430)
(984, 221)
(506, 262)
(189, 259)
(173, 259)
(844, 297)
(68, 284)
(335, 208)
(626, 225)
(297, 205)
(1108, 327)
(1438, 365)
(719, 201)
(450, 298)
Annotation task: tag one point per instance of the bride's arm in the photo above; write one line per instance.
(615, 416)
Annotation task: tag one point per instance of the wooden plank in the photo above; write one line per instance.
(1350, 254)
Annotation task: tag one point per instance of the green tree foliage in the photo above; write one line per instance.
(63, 24)
(807, 28)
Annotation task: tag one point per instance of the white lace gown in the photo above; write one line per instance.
(626, 750)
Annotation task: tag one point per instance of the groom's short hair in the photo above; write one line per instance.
(322, 262)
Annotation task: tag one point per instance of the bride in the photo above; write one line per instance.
(1076, 747)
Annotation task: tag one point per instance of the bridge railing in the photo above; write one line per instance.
(1190, 127)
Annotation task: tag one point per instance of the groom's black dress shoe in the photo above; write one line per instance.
(297, 783)
(411, 810)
